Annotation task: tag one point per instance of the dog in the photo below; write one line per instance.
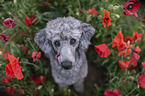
(65, 41)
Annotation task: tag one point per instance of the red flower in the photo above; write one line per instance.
(47, 4)
(9, 23)
(130, 39)
(4, 37)
(10, 90)
(137, 49)
(137, 36)
(26, 51)
(143, 20)
(125, 52)
(102, 50)
(29, 21)
(106, 18)
(36, 55)
(143, 64)
(38, 80)
(13, 69)
(123, 64)
(6, 80)
(118, 40)
(131, 7)
(23, 33)
(112, 93)
(141, 81)
(21, 91)
(93, 11)
(133, 62)
(136, 52)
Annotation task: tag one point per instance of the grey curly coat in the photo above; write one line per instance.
(65, 41)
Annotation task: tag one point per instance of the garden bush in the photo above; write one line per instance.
(116, 56)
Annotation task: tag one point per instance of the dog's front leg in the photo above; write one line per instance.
(62, 86)
(79, 86)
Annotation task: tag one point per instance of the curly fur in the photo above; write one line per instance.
(63, 29)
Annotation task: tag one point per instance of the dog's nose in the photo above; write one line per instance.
(66, 65)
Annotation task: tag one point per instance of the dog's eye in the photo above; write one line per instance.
(72, 41)
(57, 43)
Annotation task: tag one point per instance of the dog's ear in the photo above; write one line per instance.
(88, 32)
(43, 42)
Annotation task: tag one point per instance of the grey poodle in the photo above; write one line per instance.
(65, 41)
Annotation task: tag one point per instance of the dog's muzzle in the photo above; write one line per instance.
(66, 65)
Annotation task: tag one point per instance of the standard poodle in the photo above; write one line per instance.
(65, 41)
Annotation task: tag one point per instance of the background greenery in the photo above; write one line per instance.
(104, 73)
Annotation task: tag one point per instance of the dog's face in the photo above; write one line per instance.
(65, 45)
(64, 36)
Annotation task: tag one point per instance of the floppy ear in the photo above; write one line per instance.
(43, 42)
(88, 32)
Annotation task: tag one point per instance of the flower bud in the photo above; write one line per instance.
(115, 8)
(110, 7)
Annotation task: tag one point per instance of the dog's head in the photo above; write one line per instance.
(62, 37)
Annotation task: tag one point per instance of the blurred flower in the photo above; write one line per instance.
(5, 56)
(26, 51)
(93, 11)
(131, 7)
(9, 23)
(6, 80)
(118, 40)
(125, 52)
(20, 46)
(118, 16)
(47, 4)
(115, 8)
(13, 69)
(81, 10)
(38, 80)
(137, 36)
(36, 55)
(23, 33)
(143, 20)
(102, 50)
(112, 93)
(106, 18)
(133, 62)
(143, 64)
(10, 90)
(29, 21)
(4, 37)
(128, 38)
(141, 81)
(110, 7)
(136, 52)
(124, 64)
(20, 91)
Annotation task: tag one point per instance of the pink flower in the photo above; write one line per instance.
(112, 93)
(10, 90)
(6, 80)
(36, 55)
(143, 64)
(47, 4)
(9, 23)
(4, 37)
